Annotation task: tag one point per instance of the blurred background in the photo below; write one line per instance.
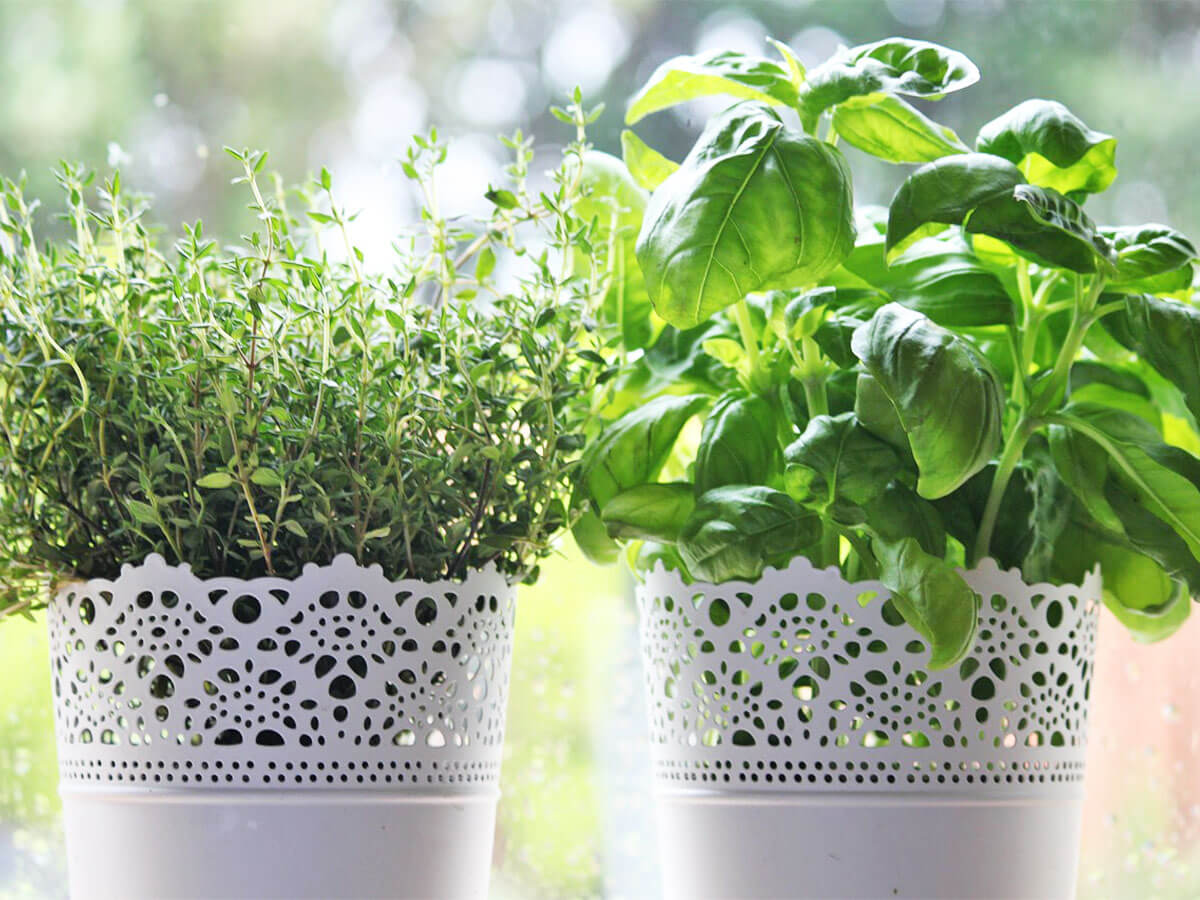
(157, 87)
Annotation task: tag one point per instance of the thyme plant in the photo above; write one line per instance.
(251, 408)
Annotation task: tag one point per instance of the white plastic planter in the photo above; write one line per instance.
(802, 749)
(333, 735)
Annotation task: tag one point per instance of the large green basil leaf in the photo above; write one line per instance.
(944, 193)
(616, 203)
(738, 444)
(1154, 255)
(837, 467)
(891, 66)
(632, 450)
(1144, 596)
(648, 167)
(753, 203)
(1045, 226)
(875, 410)
(944, 280)
(655, 512)
(1052, 147)
(726, 72)
(736, 532)
(945, 394)
(894, 131)
(1162, 478)
(1165, 334)
(931, 596)
(899, 512)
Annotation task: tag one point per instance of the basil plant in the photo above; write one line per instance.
(978, 370)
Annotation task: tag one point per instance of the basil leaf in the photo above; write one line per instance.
(894, 131)
(1160, 477)
(944, 280)
(945, 394)
(592, 538)
(1150, 251)
(1052, 147)
(1115, 398)
(837, 467)
(1086, 372)
(1165, 604)
(944, 193)
(891, 66)
(795, 68)
(1165, 334)
(899, 512)
(931, 596)
(648, 167)
(1083, 465)
(615, 202)
(633, 449)
(1144, 596)
(753, 203)
(655, 512)
(1045, 226)
(738, 444)
(1149, 535)
(649, 554)
(736, 532)
(875, 410)
(727, 72)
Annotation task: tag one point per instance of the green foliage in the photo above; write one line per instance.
(944, 393)
(924, 372)
(943, 193)
(735, 532)
(648, 167)
(251, 408)
(738, 444)
(1052, 147)
(931, 596)
(690, 77)
(837, 467)
(753, 203)
(888, 67)
(894, 130)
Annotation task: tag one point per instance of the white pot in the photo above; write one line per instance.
(803, 749)
(333, 735)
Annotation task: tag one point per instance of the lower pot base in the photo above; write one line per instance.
(869, 845)
(273, 844)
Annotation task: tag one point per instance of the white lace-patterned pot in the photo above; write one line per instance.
(802, 748)
(333, 735)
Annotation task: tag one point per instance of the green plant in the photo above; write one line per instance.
(977, 370)
(253, 408)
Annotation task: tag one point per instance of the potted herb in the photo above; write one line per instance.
(283, 503)
(933, 438)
